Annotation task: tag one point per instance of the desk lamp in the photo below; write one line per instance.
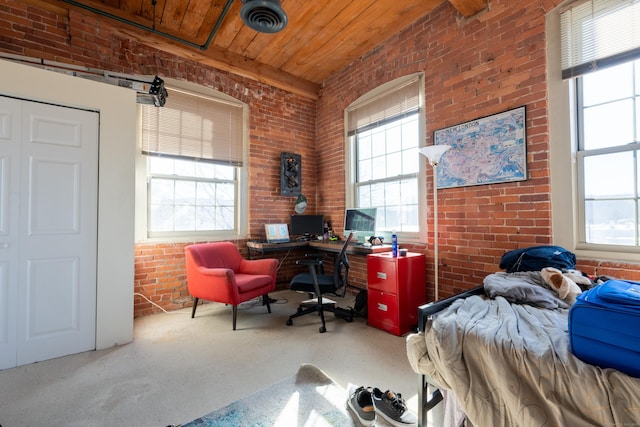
(433, 153)
(301, 204)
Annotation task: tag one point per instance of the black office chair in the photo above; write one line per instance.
(319, 284)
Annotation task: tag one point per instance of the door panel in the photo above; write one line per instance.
(58, 233)
(54, 202)
(10, 137)
(50, 250)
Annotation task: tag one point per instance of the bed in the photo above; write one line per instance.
(504, 360)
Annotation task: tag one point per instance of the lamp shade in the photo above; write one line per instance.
(434, 152)
(301, 204)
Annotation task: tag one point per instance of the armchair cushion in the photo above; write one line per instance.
(249, 282)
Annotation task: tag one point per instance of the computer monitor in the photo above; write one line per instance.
(361, 221)
(307, 225)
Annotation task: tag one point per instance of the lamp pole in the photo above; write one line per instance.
(435, 228)
(433, 154)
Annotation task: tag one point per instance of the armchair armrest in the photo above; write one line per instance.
(313, 259)
(223, 273)
(267, 266)
(213, 284)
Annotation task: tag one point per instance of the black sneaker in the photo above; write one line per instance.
(391, 407)
(361, 404)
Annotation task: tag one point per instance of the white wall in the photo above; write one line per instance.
(117, 108)
(561, 158)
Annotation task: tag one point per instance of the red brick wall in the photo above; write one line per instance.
(160, 276)
(473, 67)
(279, 122)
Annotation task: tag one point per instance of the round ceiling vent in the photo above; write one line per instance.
(265, 16)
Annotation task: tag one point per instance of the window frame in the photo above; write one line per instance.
(190, 179)
(562, 155)
(142, 199)
(582, 154)
(420, 236)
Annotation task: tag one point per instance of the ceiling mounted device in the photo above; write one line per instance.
(264, 16)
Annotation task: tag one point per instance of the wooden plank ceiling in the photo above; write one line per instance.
(320, 38)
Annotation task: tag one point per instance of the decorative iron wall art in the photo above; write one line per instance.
(290, 174)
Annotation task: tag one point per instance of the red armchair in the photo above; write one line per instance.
(218, 272)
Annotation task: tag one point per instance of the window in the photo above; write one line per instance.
(383, 130)
(600, 48)
(194, 156)
(608, 135)
(186, 195)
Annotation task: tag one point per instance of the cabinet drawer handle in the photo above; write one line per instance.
(381, 275)
(382, 307)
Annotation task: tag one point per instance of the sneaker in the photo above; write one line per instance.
(361, 404)
(392, 408)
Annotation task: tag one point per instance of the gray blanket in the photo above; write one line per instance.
(510, 365)
(525, 287)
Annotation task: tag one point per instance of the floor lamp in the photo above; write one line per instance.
(433, 154)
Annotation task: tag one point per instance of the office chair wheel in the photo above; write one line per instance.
(289, 322)
(322, 329)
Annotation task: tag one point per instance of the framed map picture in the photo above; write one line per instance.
(487, 150)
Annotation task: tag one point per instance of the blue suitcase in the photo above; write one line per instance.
(604, 326)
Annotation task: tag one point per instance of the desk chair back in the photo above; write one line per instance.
(321, 284)
(341, 268)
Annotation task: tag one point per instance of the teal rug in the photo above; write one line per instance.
(309, 398)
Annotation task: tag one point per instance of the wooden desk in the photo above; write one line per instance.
(354, 248)
(321, 245)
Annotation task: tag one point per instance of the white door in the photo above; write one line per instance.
(48, 254)
(10, 112)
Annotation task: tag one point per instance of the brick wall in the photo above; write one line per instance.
(473, 67)
(160, 276)
(279, 122)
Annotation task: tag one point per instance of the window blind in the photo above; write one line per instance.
(598, 33)
(194, 127)
(393, 103)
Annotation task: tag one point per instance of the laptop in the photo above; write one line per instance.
(277, 233)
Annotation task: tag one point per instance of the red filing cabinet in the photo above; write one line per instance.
(396, 287)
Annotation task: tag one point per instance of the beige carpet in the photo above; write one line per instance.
(178, 368)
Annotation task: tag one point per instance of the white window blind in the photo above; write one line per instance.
(194, 127)
(377, 110)
(599, 33)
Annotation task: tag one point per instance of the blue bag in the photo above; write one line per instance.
(603, 326)
(535, 258)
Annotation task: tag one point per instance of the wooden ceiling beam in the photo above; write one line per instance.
(217, 58)
(469, 7)
(231, 62)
